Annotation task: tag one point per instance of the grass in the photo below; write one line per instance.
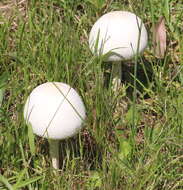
(48, 41)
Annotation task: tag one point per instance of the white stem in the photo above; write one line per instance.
(116, 76)
(54, 153)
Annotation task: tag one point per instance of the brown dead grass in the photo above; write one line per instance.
(13, 9)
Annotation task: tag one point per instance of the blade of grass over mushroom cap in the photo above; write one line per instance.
(47, 90)
(65, 96)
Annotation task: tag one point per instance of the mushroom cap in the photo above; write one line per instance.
(54, 110)
(118, 33)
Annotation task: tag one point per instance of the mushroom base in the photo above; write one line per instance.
(54, 153)
(116, 76)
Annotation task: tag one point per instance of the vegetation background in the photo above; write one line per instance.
(137, 146)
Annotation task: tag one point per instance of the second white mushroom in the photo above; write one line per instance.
(121, 34)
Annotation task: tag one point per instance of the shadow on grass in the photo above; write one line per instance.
(86, 155)
(144, 76)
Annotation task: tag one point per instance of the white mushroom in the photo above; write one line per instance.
(121, 34)
(55, 111)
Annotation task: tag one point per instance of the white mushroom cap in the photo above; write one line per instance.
(54, 110)
(118, 32)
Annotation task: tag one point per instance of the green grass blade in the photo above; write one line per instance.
(26, 182)
(2, 90)
(31, 140)
(5, 182)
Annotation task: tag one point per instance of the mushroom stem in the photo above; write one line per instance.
(54, 153)
(116, 76)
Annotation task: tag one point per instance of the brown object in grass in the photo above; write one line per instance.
(159, 38)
